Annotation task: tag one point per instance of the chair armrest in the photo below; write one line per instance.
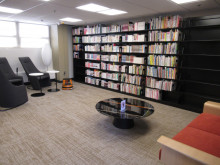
(174, 152)
(212, 108)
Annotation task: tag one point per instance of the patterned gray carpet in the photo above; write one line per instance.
(65, 128)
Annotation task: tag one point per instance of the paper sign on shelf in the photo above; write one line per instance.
(123, 105)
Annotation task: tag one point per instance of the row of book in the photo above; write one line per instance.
(137, 26)
(133, 49)
(164, 36)
(131, 79)
(96, 29)
(110, 48)
(130, 88)
(110, 67)
(90, 56)
(91, 39)
(133, 69)
(77, 31)
(112, 58)
(165, 22)
(92, 48)
(92, 65)
(153, 93)
(169, 48)
(110, 84)
(110, 76)
(94, 73)
(161, 72)
(132, 59)
(154, 23)
(111, 29)
(77, 47)
(111, 38)
(92, 80)
(77, 40)
(160, 84)
(162, 60)
(115, 58)
(134, 38)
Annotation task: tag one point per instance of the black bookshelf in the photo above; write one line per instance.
(198, 68)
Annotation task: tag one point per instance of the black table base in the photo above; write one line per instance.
(53, 90)
(123, 123)
(37, 94)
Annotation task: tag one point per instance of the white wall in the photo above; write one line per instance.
(12, 55)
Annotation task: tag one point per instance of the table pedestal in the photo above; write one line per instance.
(37, 94)
(123, 123)
(56, 89)
(41, 93)
(53, 90)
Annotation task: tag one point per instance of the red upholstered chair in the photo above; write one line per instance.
(197, 143)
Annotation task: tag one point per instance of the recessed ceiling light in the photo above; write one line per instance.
(10, 10)
(183, 1)
(68, 19)
(46, 0)
(92, 7)
(112, 12)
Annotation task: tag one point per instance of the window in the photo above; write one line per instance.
(28, 36)
(8, 34)
(33, 36)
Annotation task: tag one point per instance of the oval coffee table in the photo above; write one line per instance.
(134, 109)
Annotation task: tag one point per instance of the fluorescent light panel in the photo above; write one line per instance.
(92, 7)
(68, 19)
(112, 12)
(100, 9)
(10, 10)
(183, 1)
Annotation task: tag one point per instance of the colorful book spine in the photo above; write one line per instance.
(162, 60)
(152, 93)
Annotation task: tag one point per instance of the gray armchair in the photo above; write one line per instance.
(11, 95)
(36, 82)
(6, 69)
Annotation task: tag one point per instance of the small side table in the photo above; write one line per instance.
(41, 93)
(56, 89)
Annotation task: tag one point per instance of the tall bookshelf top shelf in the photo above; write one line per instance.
(129, 32)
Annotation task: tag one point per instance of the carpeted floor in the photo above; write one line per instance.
(65, 128)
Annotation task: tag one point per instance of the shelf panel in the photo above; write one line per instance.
(110, 71)
(97, 61)
(199, 82)
(118, 81)
(118, 33)
(200, 69)
(161, 78)
(92, 76)
(132, 84)
(213, 55)
(162, 66)
(200, 41)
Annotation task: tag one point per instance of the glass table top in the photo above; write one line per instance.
(133, 109)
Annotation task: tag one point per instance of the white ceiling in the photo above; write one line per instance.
(38, 11)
